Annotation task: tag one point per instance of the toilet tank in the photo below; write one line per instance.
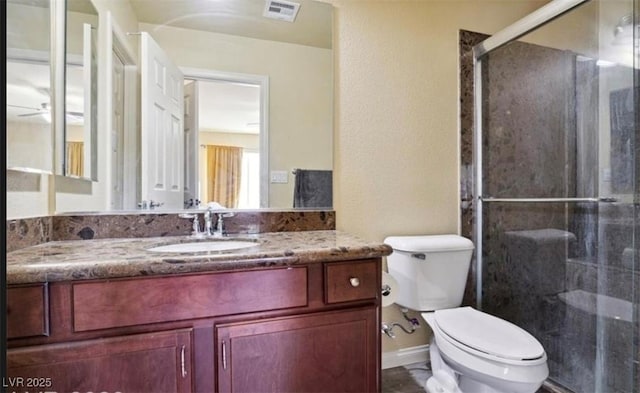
(431, 271)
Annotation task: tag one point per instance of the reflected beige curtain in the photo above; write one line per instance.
(224, 167)
(75, 159)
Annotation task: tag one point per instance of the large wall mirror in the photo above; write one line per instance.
(199, 103)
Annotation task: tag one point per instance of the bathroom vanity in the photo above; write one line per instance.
(299, 311)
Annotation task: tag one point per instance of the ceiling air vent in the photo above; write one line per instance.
(281, 10)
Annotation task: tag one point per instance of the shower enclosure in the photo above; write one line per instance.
(557, 189)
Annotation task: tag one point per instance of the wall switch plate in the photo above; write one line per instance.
(279, 177)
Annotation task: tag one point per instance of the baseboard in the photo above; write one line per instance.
(405, 356)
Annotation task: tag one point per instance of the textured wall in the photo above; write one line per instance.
(397, 116)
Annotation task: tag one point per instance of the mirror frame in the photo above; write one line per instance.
(58, 90)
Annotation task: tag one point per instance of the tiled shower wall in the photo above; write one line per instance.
(563, 271)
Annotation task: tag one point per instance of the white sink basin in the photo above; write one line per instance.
(213, 245)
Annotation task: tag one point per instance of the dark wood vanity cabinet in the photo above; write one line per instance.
(323, 352)
(28, 311)
(305, 328)
(153, 362)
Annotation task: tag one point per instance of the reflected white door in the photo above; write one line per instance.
(162, 139)
(191, 142)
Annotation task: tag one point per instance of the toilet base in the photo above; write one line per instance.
(471, 385)
(442, 382)
(463, 385)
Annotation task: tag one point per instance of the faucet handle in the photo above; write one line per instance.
(196, 223)
(220, 231)
(196, 226)
(153, 204)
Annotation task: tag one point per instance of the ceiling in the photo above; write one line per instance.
(223, 106)
(228, 107)
(27, 91)
(312, 26)
(29, 95)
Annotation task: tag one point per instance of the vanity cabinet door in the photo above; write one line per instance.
(28, 310)
(323, 352)
(152, 362)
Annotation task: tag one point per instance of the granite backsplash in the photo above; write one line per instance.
(26, 232)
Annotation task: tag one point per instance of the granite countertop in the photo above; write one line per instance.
(113, 258)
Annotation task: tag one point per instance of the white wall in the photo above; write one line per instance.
(29, 145)
(27, 195)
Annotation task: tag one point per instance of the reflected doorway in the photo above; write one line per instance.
(225, 141)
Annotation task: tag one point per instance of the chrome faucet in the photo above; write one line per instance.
(208, 223)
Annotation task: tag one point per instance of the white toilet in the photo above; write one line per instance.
(471, 351)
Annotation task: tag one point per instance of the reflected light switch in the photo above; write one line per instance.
(279, 177)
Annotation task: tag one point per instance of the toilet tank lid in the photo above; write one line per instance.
(429, 243)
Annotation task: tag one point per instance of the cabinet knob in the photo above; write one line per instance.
(355, 281)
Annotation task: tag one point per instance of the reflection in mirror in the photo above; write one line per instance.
(81, 90)
(163, 164)
(28, 121)
(228, 155)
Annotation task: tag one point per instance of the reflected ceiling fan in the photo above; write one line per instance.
(44, 110)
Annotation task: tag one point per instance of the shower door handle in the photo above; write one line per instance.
(538, 200)
(549, 200)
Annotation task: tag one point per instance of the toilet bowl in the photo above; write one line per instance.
(471, 351)
(486, 353)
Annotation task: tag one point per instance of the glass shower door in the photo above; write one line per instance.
(556, 222)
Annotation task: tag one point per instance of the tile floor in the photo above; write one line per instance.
(410, 378)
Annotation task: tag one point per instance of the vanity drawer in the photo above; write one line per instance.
(28, 311)
(127, 302)
(349, 281)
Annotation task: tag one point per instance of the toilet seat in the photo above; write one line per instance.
(502, 374)
(487, 336)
